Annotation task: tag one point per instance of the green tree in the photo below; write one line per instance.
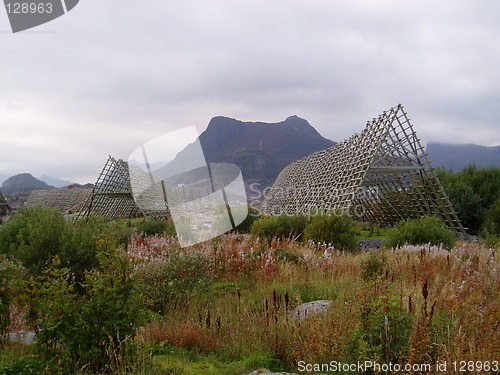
(36, 234)
(472, 191)
(422, 231)
(492, 219)
(467, 204)
(92, 323)
(279, 226)
(336, 228)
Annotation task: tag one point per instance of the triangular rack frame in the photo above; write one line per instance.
(381, 175)
(111, 196)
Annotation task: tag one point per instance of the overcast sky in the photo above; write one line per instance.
(111, 75)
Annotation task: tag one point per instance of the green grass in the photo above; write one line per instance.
(365, 232)
(181, 361)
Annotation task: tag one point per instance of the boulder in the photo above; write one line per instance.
(23, 337)
(302, 312)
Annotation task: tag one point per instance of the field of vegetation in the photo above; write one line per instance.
(123, 298)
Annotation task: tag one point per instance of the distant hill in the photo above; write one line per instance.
(55, 181)
(23, 183)
(260, 149)
(457, 157)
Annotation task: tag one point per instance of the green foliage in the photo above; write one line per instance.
(384, 333)
(279, 226)
(472, 192)
(152, 227)
(24, 366)
(265, 227)
(492, 219)
(336, 228)
(36, 234)
(467, 204)
(92, 324)
(373, 266)
(290, 255)
(491, 226)
(6, 276)
(422, 231)
(222, 223)
(174, 281)
(246, 225)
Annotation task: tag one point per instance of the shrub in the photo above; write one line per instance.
(265, 227)
(492, 220)
(6, 273)
(246, 225)
(373, 266)
(468, 205)
(92, 323)
(385, 331)
(335, 228)
(36, 234)
(279, 226)
(172, 282)
(152, 227)
(422, 231)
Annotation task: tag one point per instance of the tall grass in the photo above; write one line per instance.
(232, 299)
(422, 305)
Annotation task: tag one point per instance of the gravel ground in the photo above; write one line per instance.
(370, 244)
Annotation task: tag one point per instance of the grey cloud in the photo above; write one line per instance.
(120, 71)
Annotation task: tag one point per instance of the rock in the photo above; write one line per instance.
(23, 337)
(305, 310)
(370, 244)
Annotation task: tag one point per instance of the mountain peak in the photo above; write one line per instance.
(299, 123)
(23, 183)
(295, 118)
(260, 149)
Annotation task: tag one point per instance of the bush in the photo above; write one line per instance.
(265, 227)
(6, 273)
(152, 227)
(93, 323)
(491, 225)
(335, 228)
(422, 231)
(36, 234)
(246, 225)
(172, 282)
(373, 266)
(279, 226)
(384, 332)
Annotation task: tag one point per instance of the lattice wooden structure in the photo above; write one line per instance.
(4, 206)
(111, 196)
(381, 175)
(69, 200)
